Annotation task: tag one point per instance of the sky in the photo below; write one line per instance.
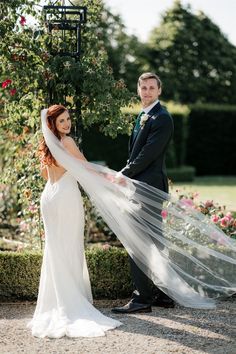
(140, 17)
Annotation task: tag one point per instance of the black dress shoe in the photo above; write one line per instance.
(133, 307)
(165, 302)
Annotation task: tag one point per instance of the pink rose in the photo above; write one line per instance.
(229, 215)
(224, 221)
(215, 218)
(32, 208)
(164, 214)
(106, 247)
(209, 203)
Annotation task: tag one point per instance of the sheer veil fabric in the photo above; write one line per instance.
(182, 251)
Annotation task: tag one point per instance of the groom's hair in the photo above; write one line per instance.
(149, 75)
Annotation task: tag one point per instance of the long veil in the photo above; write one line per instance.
(177, 247)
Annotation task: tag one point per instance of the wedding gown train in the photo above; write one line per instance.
(64, 305)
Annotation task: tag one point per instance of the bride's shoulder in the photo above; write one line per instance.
(67, 141)
(70, 145)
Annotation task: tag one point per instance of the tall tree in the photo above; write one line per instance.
(123, 50)
(193, 57)
(27, 69)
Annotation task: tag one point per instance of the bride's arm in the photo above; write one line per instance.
(70, 145)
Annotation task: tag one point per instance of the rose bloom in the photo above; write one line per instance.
(229, 215)
(32, 208)
(224, 221)
(143, 120)
(215, 218)
(6, 83)
(106, 247)
(12, 92)
(209, 203)
(164, 214)
(22, 20)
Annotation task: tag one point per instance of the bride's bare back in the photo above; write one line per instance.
(54, 173)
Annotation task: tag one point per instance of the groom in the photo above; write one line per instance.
(147, 149)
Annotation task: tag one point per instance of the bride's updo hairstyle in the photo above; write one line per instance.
(45, 156)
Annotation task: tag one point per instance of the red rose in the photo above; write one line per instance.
(12, 92)
(6, 83)
(22, 20)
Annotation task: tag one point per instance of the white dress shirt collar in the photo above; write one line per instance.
(148, 109)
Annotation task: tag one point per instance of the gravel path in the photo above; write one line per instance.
(163, 331)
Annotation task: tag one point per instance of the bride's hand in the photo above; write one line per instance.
(118, 178)
(110, 177)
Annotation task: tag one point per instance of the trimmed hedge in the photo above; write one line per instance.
(204, 137)
(181, 174)
(180, 137)
(108, 269)
(211, 143)
(109, 273)
(98, 147)
(19, 274)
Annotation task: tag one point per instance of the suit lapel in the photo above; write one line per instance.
(155, 109)
(133, 139)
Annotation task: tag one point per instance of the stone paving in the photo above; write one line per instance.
(163, 331)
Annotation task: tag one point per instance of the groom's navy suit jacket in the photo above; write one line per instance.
(147, 149)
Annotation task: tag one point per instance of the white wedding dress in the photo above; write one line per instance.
(64, 305)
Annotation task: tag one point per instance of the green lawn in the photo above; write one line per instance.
(221, 190)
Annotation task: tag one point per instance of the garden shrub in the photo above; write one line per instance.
(114, 152)
(211, 143)
(108, 269)
(181, 174)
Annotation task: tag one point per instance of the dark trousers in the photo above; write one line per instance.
(145, 291)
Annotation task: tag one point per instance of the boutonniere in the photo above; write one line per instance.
(143, 120)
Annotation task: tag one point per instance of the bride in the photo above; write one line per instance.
(64, 305)
(185, 254)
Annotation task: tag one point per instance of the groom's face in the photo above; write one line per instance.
(148, 91)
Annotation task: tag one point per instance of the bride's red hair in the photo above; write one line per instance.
(45, 156)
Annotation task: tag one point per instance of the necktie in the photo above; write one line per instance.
(137, 123)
